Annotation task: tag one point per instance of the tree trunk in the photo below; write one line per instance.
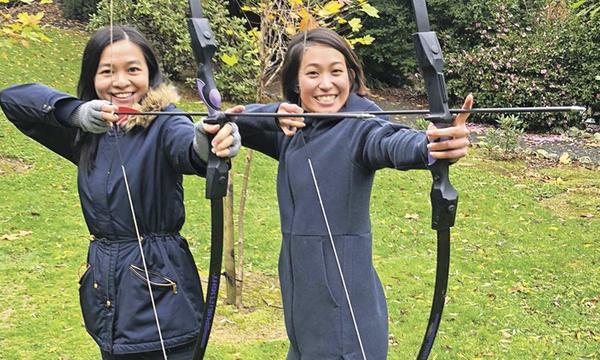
(229, 245)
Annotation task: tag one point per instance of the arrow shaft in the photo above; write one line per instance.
(372, 114)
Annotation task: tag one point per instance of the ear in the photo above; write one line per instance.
(297, 89)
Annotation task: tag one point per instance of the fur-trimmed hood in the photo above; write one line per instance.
(156, 100)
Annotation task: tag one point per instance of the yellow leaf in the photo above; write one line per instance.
(365, 40)
(565, 158)
(30, 20)
(3, 1)
(229, 59)
(295, 2)
(44, 2)
(14, 236)
(331, 8)
(370, 10)
(308, 22)
(355, 24)
(411, 216)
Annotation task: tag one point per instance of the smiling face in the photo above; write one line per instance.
(323, 79)
(122, 76)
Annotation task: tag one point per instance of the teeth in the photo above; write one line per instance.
(326, 97)
(122, 95)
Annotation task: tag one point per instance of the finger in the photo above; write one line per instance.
(222, 144)
(109, 116)
(461, 118)
(453, 144)
(236, 109)
(290, 108)
(292, 122)
(450, 154)
(288, 130)
(452, 132)
(210, 128)
(223, 134)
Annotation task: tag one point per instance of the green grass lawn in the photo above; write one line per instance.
(525, 265)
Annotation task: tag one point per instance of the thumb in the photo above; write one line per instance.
(461, 118)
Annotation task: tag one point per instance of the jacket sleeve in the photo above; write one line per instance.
(389, 145)
(261, 133)
(42, 114)
(177, 137)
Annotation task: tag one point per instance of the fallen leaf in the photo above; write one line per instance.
(411, 216)
(15, 236)
(565, 159)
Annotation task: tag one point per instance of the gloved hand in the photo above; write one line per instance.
(225, 144)
(93, 116)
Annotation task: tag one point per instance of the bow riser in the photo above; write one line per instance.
(204, 48)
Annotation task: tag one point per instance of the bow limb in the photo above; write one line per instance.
(204, 48)
(444, 198)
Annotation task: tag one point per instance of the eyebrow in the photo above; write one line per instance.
(136, 62)
(318, 64)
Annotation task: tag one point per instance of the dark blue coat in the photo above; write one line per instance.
(345, 154)
(113, 292)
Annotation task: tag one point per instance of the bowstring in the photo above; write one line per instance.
(140, 239)
(324, 213)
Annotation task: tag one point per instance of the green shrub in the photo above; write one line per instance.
(506, 52)
(78, 9)
(164, 23)
(503, 142)
(548, 60)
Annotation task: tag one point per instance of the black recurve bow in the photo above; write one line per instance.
(444, 198)
(204, 47)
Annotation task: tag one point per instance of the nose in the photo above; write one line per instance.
(120, 80)
(326, 82)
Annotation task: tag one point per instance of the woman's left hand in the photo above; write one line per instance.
(227, 141)
(455, 138)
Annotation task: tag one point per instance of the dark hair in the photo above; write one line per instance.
(86, 89)
(295, 52)
(93, 50)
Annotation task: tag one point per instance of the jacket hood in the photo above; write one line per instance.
(156, 99)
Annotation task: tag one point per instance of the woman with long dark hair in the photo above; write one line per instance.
(145, 156)
(324, 181)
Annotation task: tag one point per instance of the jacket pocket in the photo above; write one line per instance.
(90, 300)
(315, 312)
(134, 311)
(156, 279)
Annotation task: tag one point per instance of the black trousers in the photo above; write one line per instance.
(183, 352)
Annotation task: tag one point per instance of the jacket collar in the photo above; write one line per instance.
(156, 99)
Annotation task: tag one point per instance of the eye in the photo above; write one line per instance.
(134, 69)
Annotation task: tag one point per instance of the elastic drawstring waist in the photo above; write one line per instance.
(113, 239)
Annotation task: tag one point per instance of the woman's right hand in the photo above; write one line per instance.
(289, 125)
(95, 116)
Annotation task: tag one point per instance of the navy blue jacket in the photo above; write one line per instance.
(345, 154)
(114, 296)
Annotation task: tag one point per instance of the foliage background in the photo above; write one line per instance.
(525, 267)
(506, 52)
